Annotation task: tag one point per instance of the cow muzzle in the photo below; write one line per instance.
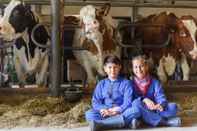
(193, 54)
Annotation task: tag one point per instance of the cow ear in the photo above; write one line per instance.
(172, 22)
(2, 7)
(104, 10)
(195, 20)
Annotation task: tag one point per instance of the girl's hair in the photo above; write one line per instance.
(142, 57)
(139, 57)
(112, 59)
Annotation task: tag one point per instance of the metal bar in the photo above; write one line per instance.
(55, 72)
(135, 43)
(113, 3)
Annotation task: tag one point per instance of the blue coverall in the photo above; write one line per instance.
(108, 94)
(156, 94)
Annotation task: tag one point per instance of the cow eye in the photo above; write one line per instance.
(182, 34)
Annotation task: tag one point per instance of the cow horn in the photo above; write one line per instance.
(33, 39)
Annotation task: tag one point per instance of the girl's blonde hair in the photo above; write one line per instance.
(140, 57)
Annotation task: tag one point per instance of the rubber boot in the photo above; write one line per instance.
(172, 122)
(135, 123)
(114, 122)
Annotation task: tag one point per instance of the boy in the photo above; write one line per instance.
(111, 98)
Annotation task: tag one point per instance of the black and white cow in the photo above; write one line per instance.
(17, 23)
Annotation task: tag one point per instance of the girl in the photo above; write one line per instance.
(150, 98)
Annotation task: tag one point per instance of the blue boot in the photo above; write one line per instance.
(174, 122)
(135, 123)
(108, 123)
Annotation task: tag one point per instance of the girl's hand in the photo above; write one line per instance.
(149, 103)
(158, 107)
(113, 111)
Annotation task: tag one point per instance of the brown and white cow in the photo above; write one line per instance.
(96, 35)
(182, 45)
(17, 23)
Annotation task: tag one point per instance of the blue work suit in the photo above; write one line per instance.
(110, 94)
(156, 94)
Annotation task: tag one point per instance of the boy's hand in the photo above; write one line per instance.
(108, 112)
(104, 112)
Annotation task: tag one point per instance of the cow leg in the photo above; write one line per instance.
(91, 78)
(20, 62)
(161, 71)
(185, 67)
(34, 62)
(83, 59)
(41, 76)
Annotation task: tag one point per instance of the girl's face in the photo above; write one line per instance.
(140, 68)
(112, 70)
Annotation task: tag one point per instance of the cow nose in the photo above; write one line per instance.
(95, 22)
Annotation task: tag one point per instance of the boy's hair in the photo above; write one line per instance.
(112, 59)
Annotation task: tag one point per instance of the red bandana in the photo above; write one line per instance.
(142, 85)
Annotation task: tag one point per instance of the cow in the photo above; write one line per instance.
(181, 48)
(96, 34)
(20, 24)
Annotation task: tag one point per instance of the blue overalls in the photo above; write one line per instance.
(156, 94)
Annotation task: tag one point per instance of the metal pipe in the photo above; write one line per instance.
(134, 43)
(55, 72)
(114, 3)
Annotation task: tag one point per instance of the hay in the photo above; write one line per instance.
(48, 111)
(76, 114)
(43, 106)
(4, 108)
(186, 103)
(43, 111)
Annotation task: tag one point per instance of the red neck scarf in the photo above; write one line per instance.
(142, 85)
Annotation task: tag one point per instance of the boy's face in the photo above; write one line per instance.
(140, 68)
(112, 70)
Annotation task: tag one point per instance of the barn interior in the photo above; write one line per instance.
(65, 89)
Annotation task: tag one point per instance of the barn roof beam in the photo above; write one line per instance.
(119, 3)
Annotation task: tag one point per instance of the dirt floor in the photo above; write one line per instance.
(19, 108)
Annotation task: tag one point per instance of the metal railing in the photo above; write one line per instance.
(120, 3)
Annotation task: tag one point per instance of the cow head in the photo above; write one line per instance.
(186, 36)
(182, 30)
(98, 24)
(15, 19)
(88, 19)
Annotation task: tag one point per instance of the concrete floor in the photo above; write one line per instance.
(192, 128)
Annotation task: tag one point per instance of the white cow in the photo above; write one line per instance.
(96, 34)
